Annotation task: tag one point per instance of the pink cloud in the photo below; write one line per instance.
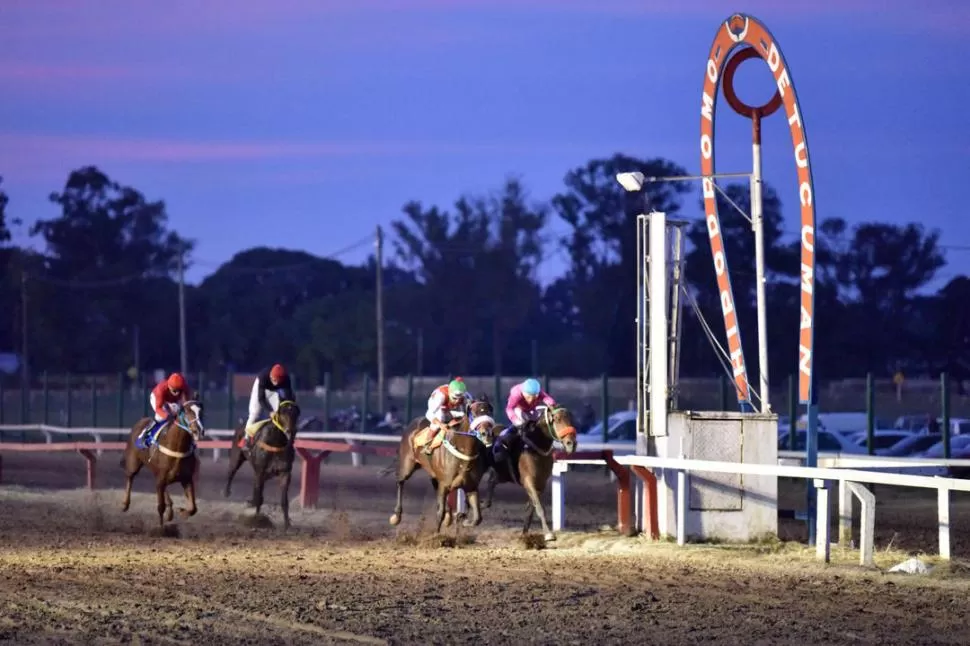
(43, 72)
(18, 149)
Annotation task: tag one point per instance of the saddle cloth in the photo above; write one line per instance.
(149, 439)
(251, 431)
(433, 435)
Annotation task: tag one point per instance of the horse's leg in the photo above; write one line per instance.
(258, 483)
(160, 495)
(537, 507)
(406, 466)
(189, 487)
(132, 467)
(492, 482)
(236, 459)
(442, 496)
(472, 500)
(169, 511)
(448, 514)
(285, 497)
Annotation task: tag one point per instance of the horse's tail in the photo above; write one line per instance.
(389, 469)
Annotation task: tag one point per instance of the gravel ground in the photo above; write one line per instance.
(75, 569)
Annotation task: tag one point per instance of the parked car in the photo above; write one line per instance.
(828, 442)
(842, 422)
(882, 440)
(914, 445)
(959, 449)
(958, 425)
(621, 431)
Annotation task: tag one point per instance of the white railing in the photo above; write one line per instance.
(849, 485)
(98, 434)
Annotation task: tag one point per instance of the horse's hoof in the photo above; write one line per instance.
(169, 515)
(446, 521)
(225, 494)
(395, 519)
(549, 536)
(125, 507)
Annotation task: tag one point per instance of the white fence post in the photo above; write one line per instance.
(681, 507)
(943, 520)
(867, 522)
(822, 529)
(845, 514)
(558, 495)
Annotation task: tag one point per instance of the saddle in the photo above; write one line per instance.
(146, 441)
(429, 437)
(249, 433)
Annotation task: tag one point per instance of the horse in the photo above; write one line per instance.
(272, 454)
(529, 460)
(457, 464)
(171, 458)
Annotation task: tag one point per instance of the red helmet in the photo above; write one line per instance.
(176, 381)
(277, 372)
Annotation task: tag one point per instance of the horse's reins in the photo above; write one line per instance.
(275, 419)
(550, 430)
(185, 426)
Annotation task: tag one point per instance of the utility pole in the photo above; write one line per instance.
(24, 368)
(136, 350)
(381, 385)
(183, 350)
(420, 352)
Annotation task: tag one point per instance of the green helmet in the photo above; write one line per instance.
(456, 388)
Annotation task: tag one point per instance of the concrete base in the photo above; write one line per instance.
(719, 506)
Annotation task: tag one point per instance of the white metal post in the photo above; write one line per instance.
(676, 312)
(658, 324)
(558, 495)
(757, 223)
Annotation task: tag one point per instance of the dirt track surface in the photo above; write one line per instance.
(74, 569)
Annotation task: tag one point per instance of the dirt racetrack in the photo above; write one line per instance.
(74, 569)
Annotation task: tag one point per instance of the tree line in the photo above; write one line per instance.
(461, 288)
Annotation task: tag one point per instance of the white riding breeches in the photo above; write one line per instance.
(255, 408)
(173, 409)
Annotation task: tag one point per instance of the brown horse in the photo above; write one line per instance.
(529, 460)
(171, 458)
(456, 464)
(272, 454)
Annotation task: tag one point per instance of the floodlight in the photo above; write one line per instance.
(631, 182)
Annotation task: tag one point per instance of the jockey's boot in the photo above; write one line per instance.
(501, 447)
(248, 434)
(147, 431)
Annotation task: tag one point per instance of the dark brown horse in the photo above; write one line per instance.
(529, 460)
(456, 464)
(172, 458)
(272, 454)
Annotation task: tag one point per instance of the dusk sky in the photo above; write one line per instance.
(306, 123)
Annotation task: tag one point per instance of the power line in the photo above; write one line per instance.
(223, 267)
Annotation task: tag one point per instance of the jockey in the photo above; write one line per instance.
(166, 399)
(445, 399)
(521, 409)
(271, 387)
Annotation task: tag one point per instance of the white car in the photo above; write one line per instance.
(828, 442)
(882, 440)
(621, 432)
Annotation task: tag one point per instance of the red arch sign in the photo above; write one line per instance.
(742, 31)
